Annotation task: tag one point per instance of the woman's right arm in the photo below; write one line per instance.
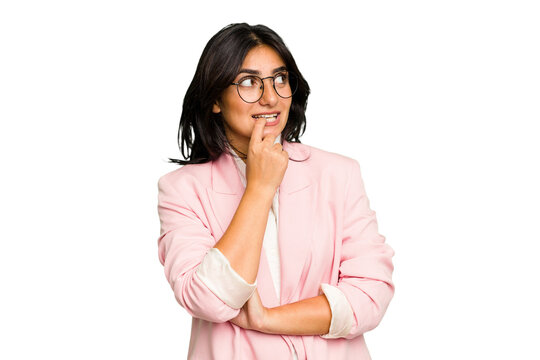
(185, 244)
(242, 241)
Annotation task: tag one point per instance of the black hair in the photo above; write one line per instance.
(202, 132)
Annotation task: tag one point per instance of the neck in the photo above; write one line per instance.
(242, 151)
(241, 154)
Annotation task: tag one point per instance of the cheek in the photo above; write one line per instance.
(238, 107)
(289, 105)
(233, 110)
(288, 110)
(238, 117)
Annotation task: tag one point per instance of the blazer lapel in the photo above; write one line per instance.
(227, 190)
(296, 212)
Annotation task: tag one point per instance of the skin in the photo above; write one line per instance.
(237, 114)
(266, 164)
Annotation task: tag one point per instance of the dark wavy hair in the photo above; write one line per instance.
(201, 133)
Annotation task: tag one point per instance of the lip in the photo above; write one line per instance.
(267, 113)
(272, 123)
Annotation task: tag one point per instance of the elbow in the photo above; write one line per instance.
(368, 307)
(369, 319)
(201, 288)
(199, 301)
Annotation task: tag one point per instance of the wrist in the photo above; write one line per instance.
(269, 320)
(260, 191)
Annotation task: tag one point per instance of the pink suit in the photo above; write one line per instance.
(327, 234)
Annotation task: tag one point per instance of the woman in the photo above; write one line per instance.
(268, 243)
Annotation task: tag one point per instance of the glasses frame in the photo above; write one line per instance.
(273, 77)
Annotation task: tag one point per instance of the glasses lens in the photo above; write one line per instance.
(250, 88)
(285, 84)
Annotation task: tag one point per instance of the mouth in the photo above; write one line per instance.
(271, 118)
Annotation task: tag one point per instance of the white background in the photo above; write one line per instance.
(437, 100)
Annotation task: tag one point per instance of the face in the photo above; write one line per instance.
(239, 116)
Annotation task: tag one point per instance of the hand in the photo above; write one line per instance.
(266, 162)
(252, 315)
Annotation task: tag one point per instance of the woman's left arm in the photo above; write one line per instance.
(365, 278)
(306, 317)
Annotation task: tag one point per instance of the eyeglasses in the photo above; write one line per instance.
(251, 87)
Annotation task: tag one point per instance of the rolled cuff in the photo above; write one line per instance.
(342, 315)
(216, 273)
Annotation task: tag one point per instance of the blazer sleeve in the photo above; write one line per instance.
(365, 272)
(184, 249)
(342, 319)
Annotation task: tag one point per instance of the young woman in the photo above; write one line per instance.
(269, 244)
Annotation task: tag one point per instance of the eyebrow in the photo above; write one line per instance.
(257, 72)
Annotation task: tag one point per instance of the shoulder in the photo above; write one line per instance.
(187, 175)
(322, 160)
(332, 171)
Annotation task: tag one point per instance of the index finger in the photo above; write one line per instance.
(258, 130)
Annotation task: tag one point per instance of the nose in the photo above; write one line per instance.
(270, 97)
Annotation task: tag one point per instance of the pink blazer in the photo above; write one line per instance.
(327, 234)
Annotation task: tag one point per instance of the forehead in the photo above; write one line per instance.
(262, 58)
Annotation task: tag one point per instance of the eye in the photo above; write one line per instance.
(247, 81)
(280, 79)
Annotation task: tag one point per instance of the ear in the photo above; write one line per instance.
(216, 109)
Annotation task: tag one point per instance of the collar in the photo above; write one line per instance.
(226, 171)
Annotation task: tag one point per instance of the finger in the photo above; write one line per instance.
(258, 130)
(270, 139)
